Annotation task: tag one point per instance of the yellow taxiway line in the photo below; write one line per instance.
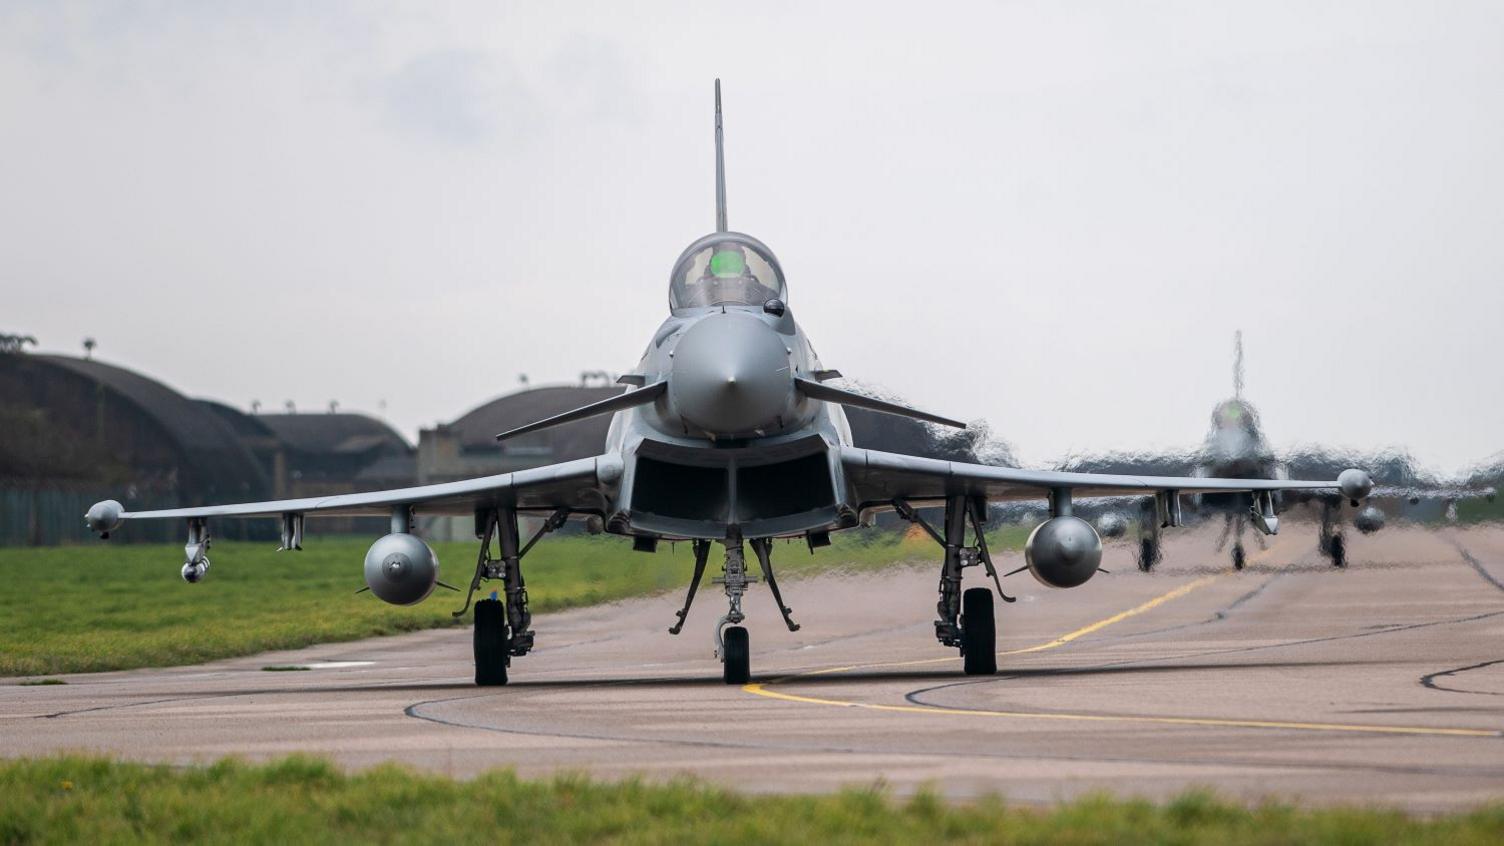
(762, 689)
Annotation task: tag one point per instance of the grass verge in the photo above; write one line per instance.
(307, 800)
(112, 606)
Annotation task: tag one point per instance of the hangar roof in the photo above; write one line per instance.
(343, 434)
(478, 428)
(209, 442)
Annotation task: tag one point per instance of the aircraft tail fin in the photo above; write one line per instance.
(1237, 364)
(720, 165)
(621, 402)
(825, 393)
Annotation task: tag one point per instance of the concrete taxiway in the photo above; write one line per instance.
(1383, 683)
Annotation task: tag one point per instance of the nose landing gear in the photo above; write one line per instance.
(732, 643)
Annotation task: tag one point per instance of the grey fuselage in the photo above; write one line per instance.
(1235, 448)
(731, 448)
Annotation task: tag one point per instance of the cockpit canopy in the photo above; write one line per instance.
(727, 268)
(1235, 414)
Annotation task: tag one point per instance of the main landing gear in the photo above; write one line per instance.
(502, 629)
(732, 643)
(966, 621)
(1149, 551)
(1330, 542)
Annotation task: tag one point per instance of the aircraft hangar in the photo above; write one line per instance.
(71, 428)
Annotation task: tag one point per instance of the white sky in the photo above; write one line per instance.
(1049, 215)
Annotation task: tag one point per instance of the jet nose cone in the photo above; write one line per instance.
(1229, 445)
(731, 375)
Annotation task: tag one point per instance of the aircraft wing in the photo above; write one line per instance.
(569, 484)
(881, 477)
(1422, 493)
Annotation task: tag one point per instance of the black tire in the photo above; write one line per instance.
(1339, 551)
(978, 633)
(737, 651)
(490, 643)
(1148, 554)
(1239, 558)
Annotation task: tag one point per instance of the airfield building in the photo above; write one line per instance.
(73, 431)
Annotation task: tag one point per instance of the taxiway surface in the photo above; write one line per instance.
(1383, 683)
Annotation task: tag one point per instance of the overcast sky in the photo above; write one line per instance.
(1049, 215)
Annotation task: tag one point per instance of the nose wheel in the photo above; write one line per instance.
(736, 655)
(732, 644)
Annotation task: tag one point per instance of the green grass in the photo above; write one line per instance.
(306, 800)
(113, 606)
(1480, 510)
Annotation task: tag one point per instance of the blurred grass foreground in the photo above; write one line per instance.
(308, 800)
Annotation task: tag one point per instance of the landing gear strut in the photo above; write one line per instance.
(1331, 542)
(702, 554)
(732, 644)
(764, 549)
(1148, 536)
(965, 621)
(1233, 528)
(503, 631)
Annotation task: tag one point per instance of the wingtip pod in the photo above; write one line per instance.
(1354, 484)
(104, 517)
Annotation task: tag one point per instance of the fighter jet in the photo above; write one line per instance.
(728, 433)
(1235, 448)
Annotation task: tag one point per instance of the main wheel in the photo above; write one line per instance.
(1148, 554)
(978, 633)
(490, 643)
(736, 668)
(1239, 558)
(1338, 551)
